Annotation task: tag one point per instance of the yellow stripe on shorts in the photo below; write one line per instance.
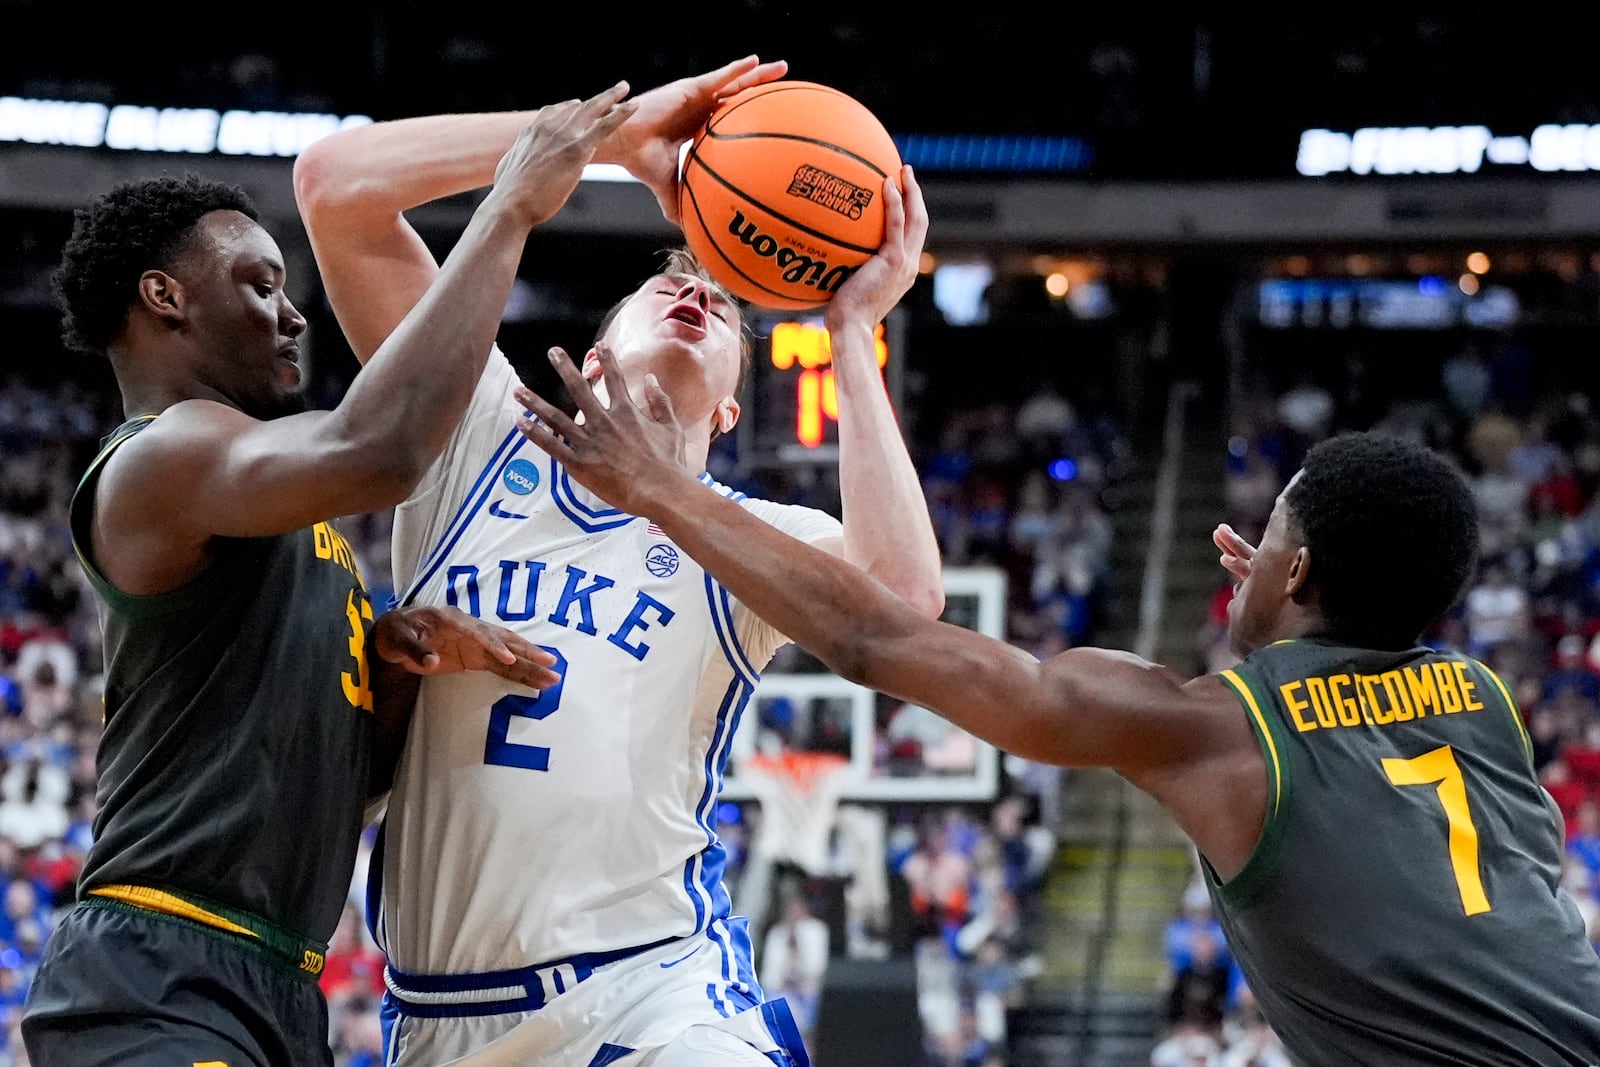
(167, 904)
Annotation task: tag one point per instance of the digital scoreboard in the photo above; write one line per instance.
(791, 401)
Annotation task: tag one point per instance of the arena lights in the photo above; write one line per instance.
(285, 134)
(995, 153)
(183, 130)
(190, 130)
(1398, 150)
(1427, 303)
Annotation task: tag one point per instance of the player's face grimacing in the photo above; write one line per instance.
(235, 280)
(687, 332)
(1277, 571)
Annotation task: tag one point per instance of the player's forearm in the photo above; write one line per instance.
(413, 392)
(390, 167)
(887, 529)
(807, 594)
(859, 628)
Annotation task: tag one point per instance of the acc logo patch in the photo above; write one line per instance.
(521, 477)
(661, 560)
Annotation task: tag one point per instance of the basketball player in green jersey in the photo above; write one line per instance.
(1382, 856)
(243, 731)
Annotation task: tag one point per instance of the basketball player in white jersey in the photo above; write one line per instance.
(551, 876)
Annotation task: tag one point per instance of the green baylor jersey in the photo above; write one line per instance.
(1402, 905)
(233, 764)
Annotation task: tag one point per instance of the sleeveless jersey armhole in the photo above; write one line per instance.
(1239, 889)
(1512, 710)
(80, 515)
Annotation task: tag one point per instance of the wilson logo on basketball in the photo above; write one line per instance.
(830, 191)
(798, 268)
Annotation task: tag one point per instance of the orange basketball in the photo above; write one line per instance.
(781, 195)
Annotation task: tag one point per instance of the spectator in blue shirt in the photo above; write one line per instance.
(1584, 841)
(1197, 919)
(1572, 671)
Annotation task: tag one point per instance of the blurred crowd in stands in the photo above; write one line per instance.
(1532, 612)
(1022, 489)
(50, 674)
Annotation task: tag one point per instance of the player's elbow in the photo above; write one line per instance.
(388, 481)
(922, 592)
(868, 655)
(850, 655)
(385, 463)
(313, 177)
(325, 182)
(926, 598)
(397, 473)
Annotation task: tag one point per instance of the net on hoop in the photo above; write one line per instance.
(799, 796)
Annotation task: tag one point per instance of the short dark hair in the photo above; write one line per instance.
(680, 261)
(137, 226)
(1392, 529)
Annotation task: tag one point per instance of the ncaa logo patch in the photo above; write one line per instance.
(521, 477)
(661, 560)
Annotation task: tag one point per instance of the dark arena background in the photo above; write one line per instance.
(1166, 256)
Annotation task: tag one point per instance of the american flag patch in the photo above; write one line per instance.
(653, 528)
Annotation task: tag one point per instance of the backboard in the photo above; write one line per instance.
(898, 752)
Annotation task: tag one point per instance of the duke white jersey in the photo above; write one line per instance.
(526, 827)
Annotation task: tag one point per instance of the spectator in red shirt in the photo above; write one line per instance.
(355, 965)
(1560, 487)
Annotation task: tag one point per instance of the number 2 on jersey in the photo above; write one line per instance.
(500, 752)
(1439, 768)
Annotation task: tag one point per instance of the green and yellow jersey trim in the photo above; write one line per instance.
(290, 951)
(1239, 889)
(1264, 735)
(81, 512)
(111, 444)
(1511, 710)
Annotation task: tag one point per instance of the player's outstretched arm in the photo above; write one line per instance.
(887, 529)
(206, 469)
(354, 186)
(1086, 707)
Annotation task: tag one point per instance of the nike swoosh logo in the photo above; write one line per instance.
(680, 959)
(494, 509)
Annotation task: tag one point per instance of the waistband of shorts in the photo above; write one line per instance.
(292, 952)
(520, 989)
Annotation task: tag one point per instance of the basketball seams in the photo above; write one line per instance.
(780, 216)
(863, 160)
(759, 92)
(788, 303)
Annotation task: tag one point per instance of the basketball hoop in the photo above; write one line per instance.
(799, 796)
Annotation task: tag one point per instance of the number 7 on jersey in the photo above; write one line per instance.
(1439, 768)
